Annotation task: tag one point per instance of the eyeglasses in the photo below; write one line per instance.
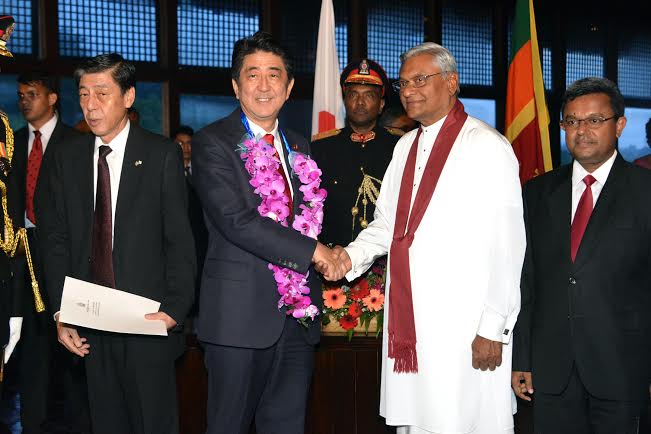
(419, 81)
(592, 122)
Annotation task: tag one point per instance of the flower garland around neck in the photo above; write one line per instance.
(262, 163)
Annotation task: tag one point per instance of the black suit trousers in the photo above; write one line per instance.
(267, 386)
(576, 411)
(129, 393)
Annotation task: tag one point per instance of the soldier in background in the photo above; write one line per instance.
(353, 159)
(10, 317)
(395, 119)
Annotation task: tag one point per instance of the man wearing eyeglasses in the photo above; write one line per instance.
(450, 216)
(583, 339)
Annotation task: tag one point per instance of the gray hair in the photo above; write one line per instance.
(441, 57)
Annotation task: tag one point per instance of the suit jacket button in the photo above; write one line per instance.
(572, 281)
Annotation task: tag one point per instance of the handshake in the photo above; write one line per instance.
(332, 263)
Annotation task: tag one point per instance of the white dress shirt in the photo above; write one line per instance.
(578, 186)
(258, 131)
(114, 160)
(425, 145)
(46, 132)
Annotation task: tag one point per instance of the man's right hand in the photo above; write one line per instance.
(521, 383)
(70, 339)
(332, 263)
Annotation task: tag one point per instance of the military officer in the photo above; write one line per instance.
(353, 159)
(10, 320)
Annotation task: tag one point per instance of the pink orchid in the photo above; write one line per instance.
(262, 164)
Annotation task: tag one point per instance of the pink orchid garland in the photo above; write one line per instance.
(263, 164)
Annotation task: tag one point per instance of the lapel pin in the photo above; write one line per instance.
(295, 147)
(137, 163)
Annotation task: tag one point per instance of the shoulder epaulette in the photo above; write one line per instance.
(325, 134)
(395, 131)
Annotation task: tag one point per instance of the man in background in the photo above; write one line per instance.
(353, 159)
(38, 99)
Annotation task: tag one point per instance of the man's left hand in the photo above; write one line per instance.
(168, 320)
(486, 354)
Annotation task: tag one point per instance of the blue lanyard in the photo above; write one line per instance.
(247, 127)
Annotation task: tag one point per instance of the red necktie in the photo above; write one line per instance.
(101, 264)
(581, 216)
(33, 166)
(269, 138)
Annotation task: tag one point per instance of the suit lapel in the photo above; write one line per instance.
(84, 173)
(296, 183)
(560, 207)
(603, 212)
(55, 139)
(132, 168)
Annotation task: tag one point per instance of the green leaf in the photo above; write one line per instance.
(325, 319)
(350, 334)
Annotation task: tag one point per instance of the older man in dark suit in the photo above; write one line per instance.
(583, 337)
(115, 215)
(259, 359)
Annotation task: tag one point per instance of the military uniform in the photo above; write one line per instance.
(9, 304)
(347, 167)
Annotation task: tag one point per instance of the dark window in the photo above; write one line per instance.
(198, 111)
(149, 103)
(585, 49)
(9, 100)
(341, 32)
(22, 37)
(394, 26)
(634, 63)
(91, 27)
(299, 32)
(468, 34)
(207, 30)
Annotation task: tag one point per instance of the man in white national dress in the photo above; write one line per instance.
(450, 216)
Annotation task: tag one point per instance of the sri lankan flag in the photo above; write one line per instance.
(527, 119)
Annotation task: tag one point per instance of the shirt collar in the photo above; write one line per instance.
(258, 131)
(431, 131)
(119, 142)
(601, 174)
(47, 129)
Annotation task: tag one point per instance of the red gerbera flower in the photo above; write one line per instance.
(360, 290)
(355, 310)
(347, 322)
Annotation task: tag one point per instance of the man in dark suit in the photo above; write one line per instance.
(183, 137)
(259, 359)
(583, 337)
(38, 99)
(137, 239)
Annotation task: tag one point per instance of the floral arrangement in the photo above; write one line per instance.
(358, 302)
(263, 164)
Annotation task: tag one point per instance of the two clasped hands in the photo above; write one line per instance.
(333, 263)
